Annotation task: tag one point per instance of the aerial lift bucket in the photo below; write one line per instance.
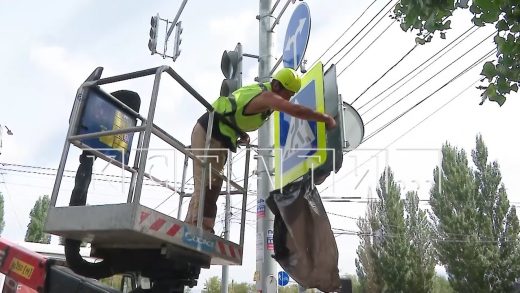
(129, 236)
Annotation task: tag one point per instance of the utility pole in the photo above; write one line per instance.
(265, 264)
(227, 226)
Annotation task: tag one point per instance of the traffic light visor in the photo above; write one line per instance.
(289, 79)
(229, 63)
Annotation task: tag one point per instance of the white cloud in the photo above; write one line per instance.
(70, 69)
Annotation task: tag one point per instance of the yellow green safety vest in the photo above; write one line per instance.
(232, 108)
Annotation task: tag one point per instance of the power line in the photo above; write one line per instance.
(416, 68)
(437, 238)
(368, 47)
(348, 43)
(364, 219)
(428, 80)
(71, 176)
(384, 74)
(53, 169)
(72, 171)
(355, 21)
(404, 134)
(11, 200)
(366, 34)
(487, 55)
(443, 235)
(94, 179)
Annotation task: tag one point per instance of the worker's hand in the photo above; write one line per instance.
(330, 123)
(243, 140)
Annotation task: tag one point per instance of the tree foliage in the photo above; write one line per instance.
(356, 287)
(395, 253)
(293, 288)
(392, 245)
(430, 16)
(241, 287)
(2, 222)
(477, 230)
(38, 215)
(368, 268)
(441, 285)
(421, 256)
(213, 285)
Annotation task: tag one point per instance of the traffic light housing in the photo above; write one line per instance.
(154, 31)
(231, 66)
(177, 40)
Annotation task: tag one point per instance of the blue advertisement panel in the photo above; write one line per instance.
(100, 114)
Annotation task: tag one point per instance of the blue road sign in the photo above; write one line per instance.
(301, 144)
(283, 278)
(297, 36)
(298, 137)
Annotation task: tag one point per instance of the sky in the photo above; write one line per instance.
(51, 47)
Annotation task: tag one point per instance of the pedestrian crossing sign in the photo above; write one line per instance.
(300, 145)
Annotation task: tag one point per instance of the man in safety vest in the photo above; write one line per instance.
(248, 108)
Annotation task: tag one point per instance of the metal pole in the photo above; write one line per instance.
(301, 289)
(227, 226)
(265, 264)
(174, 22)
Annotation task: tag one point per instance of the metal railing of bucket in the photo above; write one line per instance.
(145, 130)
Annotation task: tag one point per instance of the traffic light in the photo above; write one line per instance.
(231, 66)
(154, 30)
(177, 40)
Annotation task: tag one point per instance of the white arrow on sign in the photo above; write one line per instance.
(291, 42)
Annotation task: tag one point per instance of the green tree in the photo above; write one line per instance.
(2, 222)
(477, 230)
(288, 289)
(212, 285)
(356, 286)
(392, 244)
(430, 16)
(35, 228)
(441, 285)
(421, 256)
(395, 253)
(241, 287)
(368, 268)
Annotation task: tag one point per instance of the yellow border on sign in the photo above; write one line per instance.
(319, 158)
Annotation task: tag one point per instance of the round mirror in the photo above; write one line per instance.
(353, 128)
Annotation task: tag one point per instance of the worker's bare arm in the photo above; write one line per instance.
(270, 100)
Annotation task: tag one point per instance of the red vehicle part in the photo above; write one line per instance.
(11, 286)
(22, 265)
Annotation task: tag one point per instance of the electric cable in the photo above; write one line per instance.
(355, 21)
(11, 200)
(403, 135)
(366, 34)
(429, 79)
(419, 66)
(348, 43)
(487, 55)
(368, 47)
(384, 74)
